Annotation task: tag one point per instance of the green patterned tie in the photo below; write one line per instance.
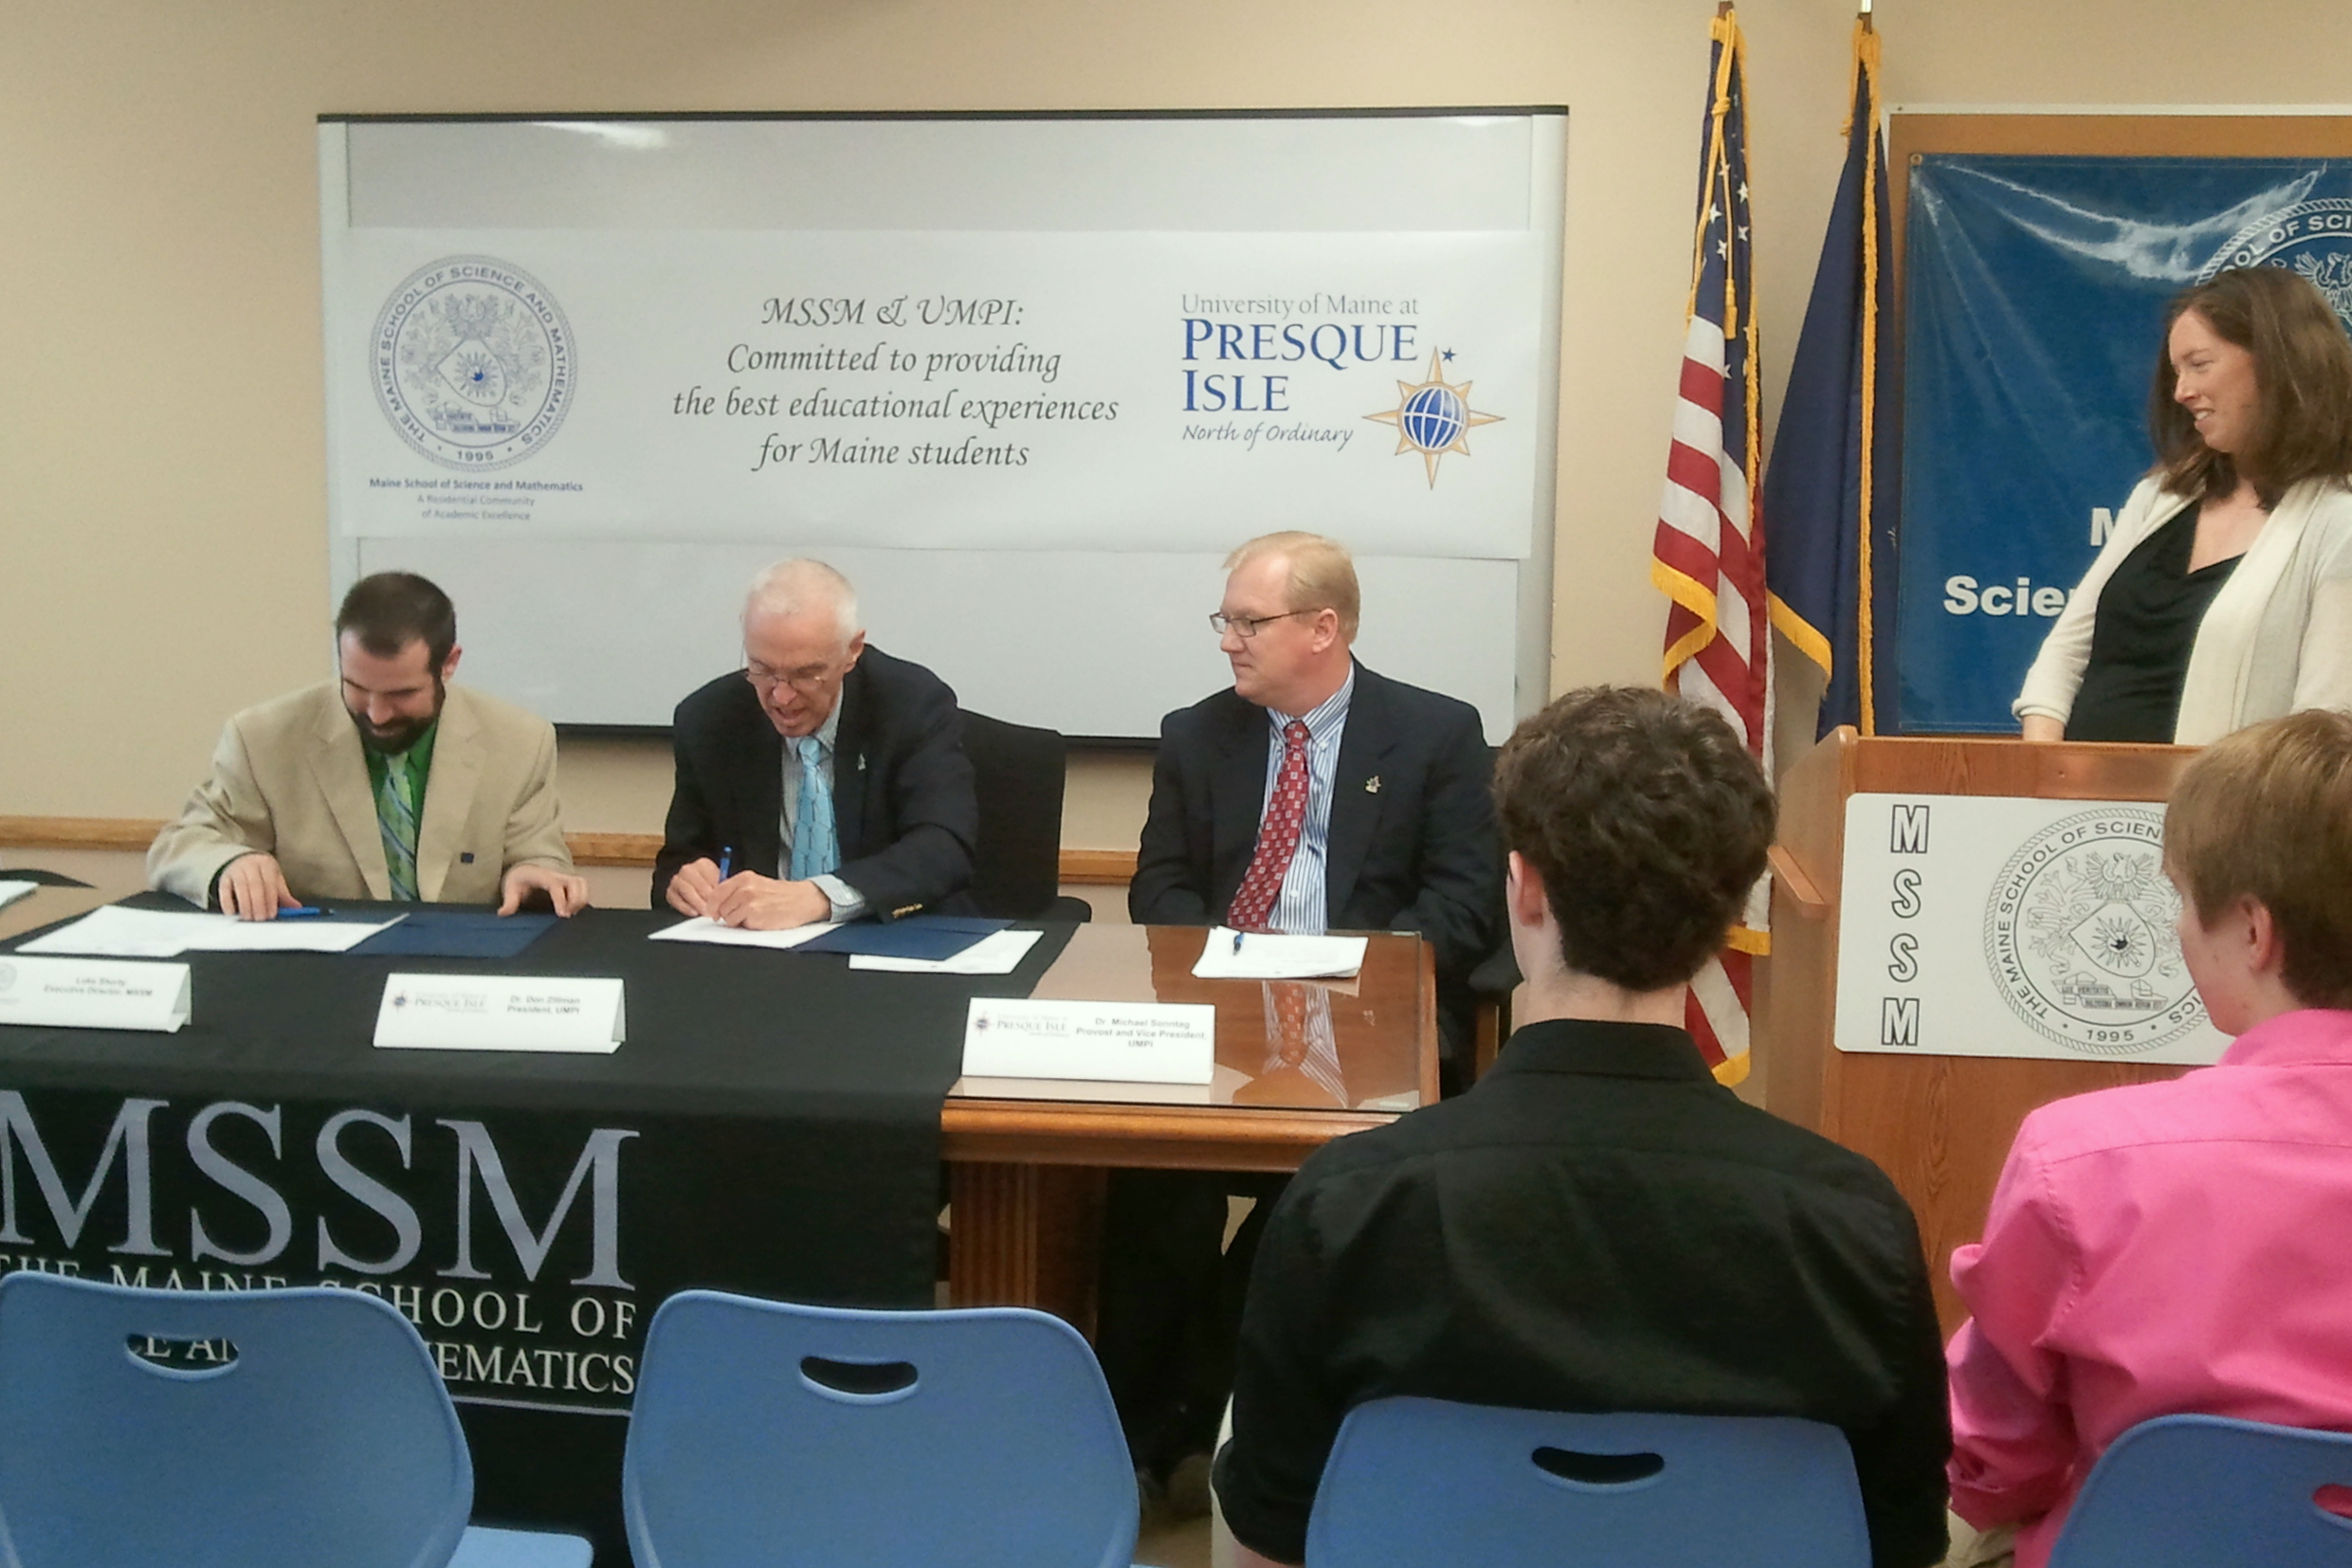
(395, 823)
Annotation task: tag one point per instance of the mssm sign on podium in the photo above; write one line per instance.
(1996, 926)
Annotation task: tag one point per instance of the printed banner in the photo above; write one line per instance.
(1073, 390)
(2035, 294)
(1973, 925)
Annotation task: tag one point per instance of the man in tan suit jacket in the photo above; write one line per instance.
(297, 804)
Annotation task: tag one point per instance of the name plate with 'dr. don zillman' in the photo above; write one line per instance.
(93, 994)
(1100, 1042)
(500, 1012)
(1987, 926)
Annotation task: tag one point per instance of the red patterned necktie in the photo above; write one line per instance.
(1278, 836)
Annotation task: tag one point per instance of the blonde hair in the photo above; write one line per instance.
(2267, 814)
(790, 587)
(1323, 573)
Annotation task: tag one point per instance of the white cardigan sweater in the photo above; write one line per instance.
(2276, 638)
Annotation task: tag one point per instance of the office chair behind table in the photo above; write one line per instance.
(327, 1437)
(822, 1438)
(1431, 1483)
(1018, 773)
(2193, 1491)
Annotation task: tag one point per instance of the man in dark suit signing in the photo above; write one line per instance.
(823, 780)
(1312, 795)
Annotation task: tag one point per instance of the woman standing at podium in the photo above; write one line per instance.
(2224, 593)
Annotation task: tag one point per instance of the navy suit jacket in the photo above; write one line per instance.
(903, 807)
(1412, 843)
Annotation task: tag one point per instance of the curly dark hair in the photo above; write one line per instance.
(2302, 386)
(1647, 820)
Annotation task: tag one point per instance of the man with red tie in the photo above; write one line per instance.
(1312, 795)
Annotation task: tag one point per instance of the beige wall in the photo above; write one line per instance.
(162, 557)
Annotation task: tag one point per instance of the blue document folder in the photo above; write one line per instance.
(932, 937)
(456, 933)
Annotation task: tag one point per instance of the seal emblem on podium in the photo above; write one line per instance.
(473, 362)
(2079, 934)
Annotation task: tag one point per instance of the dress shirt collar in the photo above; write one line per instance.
(827, 733)
(2313, 1036)
(1603, 1050)
(1328, 716)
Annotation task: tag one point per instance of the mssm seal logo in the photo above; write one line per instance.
(2079, 932)
(2313, 238)
(473, 362)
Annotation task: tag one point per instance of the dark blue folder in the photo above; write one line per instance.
(456, 933)
(931, 936)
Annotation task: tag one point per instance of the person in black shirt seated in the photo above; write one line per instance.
(2224, 593)
(1598, 1225)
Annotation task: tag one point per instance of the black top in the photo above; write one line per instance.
(1596, 1226)
(2148, 615)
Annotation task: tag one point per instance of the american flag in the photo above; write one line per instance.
(1709, 553)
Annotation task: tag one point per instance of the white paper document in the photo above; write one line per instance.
(703, 929)
(998, 953)
(549, 1013)
(11, 891)
(1100, 1042)
(118, 933)
(81, 993)
(1229, 955)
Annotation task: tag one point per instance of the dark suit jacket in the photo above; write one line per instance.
(903, 801)
(1417, 853)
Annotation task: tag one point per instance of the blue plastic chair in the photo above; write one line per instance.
(1431, 1483)
(2190, 1491)
(328, 1439)
(806, 1435)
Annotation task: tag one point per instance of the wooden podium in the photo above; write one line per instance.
(1939, 1126)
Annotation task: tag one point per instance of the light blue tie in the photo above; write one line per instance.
(815, 850)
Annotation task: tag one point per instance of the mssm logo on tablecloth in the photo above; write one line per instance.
(472, 361)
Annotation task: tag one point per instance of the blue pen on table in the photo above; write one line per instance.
(305, 912)
(1236, 942)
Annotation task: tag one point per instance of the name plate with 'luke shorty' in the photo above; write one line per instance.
(500, 1012)
(93, 994)
(1102, 1042)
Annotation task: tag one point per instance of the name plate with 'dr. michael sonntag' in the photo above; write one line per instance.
(500, 1012)
(1102, 1042)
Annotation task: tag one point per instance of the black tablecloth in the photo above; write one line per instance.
(771, 1125)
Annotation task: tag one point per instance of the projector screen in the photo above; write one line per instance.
(1024, 379)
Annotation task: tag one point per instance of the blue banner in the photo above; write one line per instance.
(2033, 296)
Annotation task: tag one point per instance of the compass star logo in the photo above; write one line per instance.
(1433, 417)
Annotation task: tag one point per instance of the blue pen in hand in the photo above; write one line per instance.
(726, 860)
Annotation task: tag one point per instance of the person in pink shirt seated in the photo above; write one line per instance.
(2186, 1245)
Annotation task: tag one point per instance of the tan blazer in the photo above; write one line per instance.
(290, 779)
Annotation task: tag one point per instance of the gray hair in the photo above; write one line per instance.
(790, 587)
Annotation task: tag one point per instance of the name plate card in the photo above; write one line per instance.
(93, 994)
(500, 1012)
(1097, 1042)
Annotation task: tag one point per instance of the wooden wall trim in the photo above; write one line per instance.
(134, 834)
(77, 832)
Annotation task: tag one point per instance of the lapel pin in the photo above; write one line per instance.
(467, 859)
(1371, 785)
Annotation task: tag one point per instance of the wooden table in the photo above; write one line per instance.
(1027, 1159)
